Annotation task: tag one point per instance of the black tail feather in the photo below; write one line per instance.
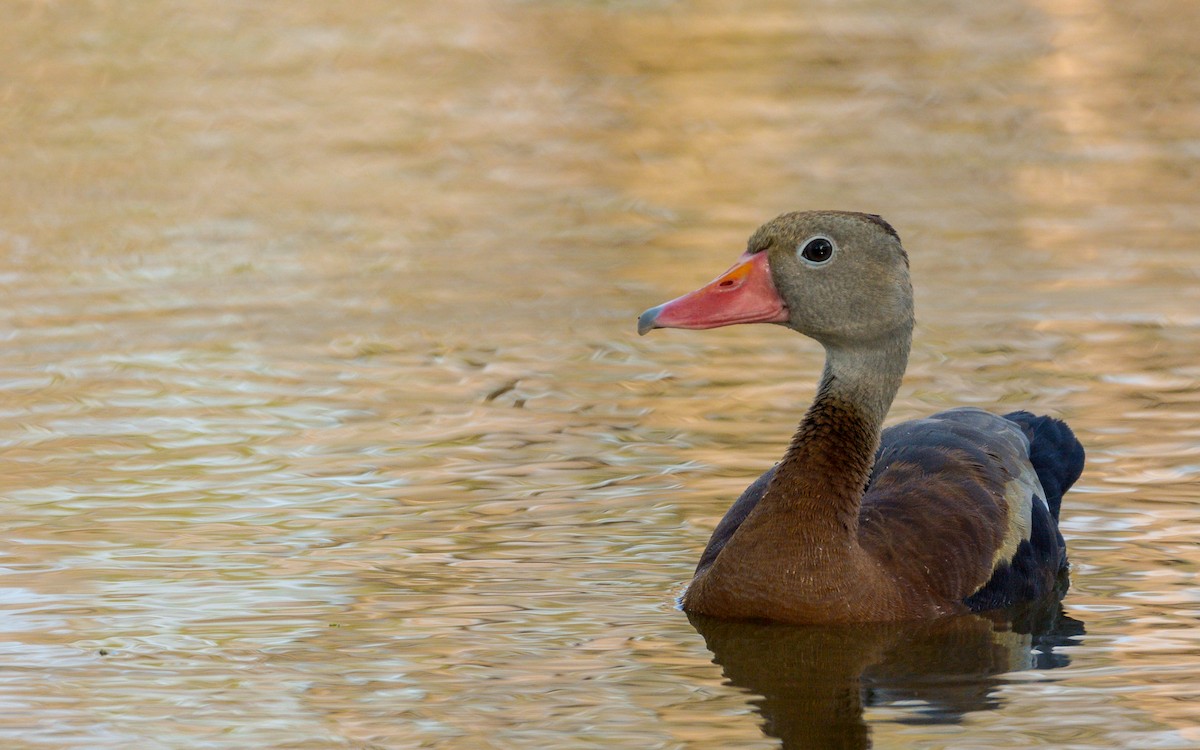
(1055, 453)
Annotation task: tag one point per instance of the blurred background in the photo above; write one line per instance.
(324, 422)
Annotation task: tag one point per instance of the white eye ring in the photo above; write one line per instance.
(817, 250)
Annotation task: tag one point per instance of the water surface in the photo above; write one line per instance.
(325, 423)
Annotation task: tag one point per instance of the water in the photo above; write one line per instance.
(325, 424)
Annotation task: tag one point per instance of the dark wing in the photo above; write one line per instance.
(1057, 457)
(955, 506)
(1055, 453)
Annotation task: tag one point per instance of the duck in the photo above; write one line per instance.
(949, 514)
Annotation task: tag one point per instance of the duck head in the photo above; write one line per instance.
(838, 277)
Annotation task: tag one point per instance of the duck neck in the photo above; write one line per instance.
(819, 483)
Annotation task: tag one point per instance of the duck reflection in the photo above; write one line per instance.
(815, 681)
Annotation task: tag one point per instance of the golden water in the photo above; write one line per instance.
(324, 422)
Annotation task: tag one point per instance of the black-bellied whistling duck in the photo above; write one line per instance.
(952, 513)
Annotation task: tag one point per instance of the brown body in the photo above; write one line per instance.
(816, 548)
(799, 555)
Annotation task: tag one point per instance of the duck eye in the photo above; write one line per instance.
(817, 250)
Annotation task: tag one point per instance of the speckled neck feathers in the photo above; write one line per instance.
(821, 479)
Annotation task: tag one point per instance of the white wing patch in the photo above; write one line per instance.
(1019, 493)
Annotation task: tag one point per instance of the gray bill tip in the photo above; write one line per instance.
(646, 321)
